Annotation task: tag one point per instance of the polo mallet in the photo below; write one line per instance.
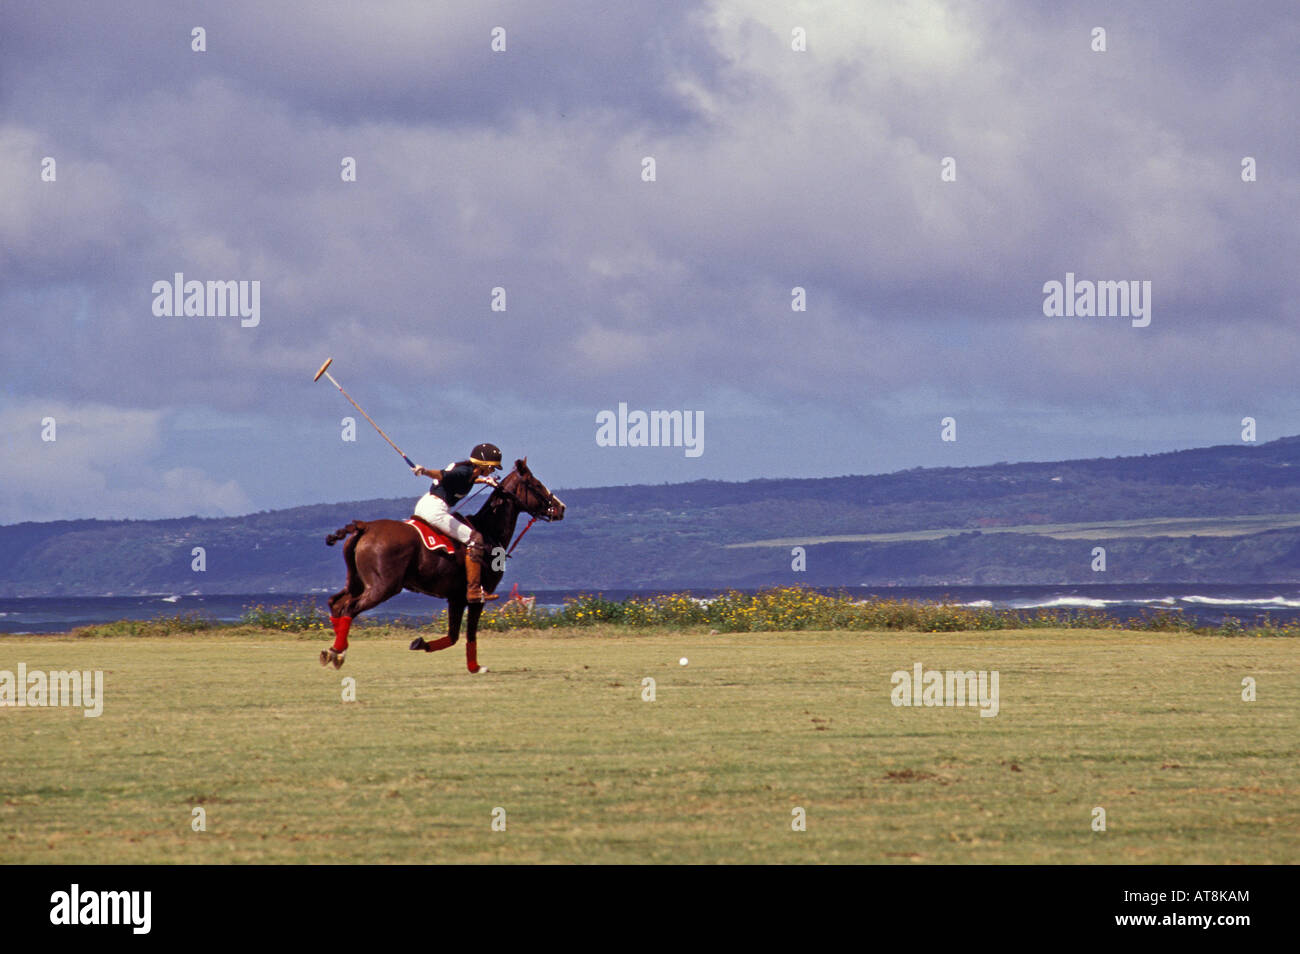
(328, 361)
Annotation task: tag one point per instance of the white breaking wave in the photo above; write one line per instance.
(170, 599)
(1088, 603)
(1217, 601)
(1171, 601)
(1069, 601)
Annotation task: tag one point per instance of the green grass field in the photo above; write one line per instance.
(245, 724)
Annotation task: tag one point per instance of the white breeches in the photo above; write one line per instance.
(433, 510)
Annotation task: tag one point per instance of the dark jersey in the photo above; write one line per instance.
(457, 480)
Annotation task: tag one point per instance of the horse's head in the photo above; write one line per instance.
(531, 493)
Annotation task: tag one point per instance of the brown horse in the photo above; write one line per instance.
(386, 556)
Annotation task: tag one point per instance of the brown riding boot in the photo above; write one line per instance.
(473, 573)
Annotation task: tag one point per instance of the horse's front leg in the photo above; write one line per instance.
(471, 639)
(455, 610)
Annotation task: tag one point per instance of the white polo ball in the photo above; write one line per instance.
(683, 660)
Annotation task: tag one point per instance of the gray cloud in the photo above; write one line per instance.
(775, 169)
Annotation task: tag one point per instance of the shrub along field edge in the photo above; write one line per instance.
(778, 609)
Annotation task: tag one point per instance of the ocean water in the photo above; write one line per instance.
(1202, 604)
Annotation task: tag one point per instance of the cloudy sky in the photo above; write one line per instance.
(523, 169)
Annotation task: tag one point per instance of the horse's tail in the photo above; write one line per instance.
(356, 526)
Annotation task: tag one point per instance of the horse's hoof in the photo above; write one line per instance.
(479, 671)
(331, 655)
(418, 644)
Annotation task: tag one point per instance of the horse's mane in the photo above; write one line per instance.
(479, 517)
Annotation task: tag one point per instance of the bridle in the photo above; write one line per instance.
(547, 515)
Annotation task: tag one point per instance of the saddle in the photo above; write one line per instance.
(433, 539)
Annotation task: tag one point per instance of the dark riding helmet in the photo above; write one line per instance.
(486, 455)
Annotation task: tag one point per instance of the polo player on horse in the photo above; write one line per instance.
(385, 557)
(450, 485)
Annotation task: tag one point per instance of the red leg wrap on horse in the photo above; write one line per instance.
(341, 626)
(471, 655)
(437, 644)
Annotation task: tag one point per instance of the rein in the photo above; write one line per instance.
(520, 537)
(478, 490)
(511, 493)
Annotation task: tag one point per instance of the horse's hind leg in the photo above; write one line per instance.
(372, 597)
(335, 601)
(343, 605)
(354, 589)
(371, 580)
(341, 623)
(374, 594)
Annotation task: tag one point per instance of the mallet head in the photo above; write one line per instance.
(327, 363)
